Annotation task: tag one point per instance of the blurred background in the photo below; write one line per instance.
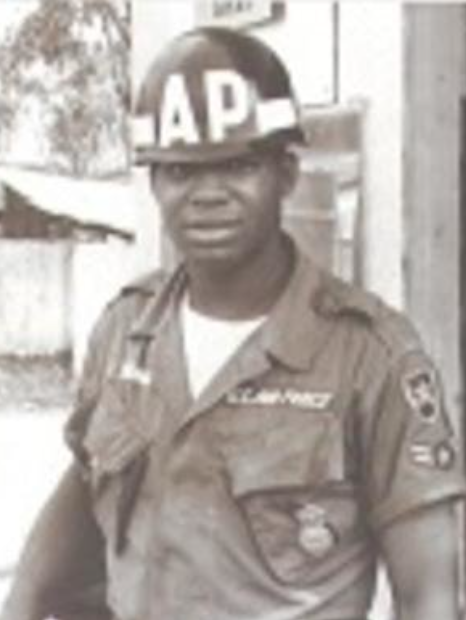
(381, 198)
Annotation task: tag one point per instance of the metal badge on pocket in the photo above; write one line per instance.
(316, 535)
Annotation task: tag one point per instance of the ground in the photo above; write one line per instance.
(34, 385)
(36, 397)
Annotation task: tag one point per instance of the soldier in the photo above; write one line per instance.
(251, 434)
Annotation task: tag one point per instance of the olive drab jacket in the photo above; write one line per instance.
(262, 498)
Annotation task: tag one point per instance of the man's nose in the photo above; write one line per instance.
(209, 189)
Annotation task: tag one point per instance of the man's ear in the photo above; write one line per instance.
(290, 167)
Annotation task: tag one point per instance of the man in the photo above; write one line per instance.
(251, 434)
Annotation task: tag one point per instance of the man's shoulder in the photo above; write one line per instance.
(382, 323)
(130, 301)
(145, 285)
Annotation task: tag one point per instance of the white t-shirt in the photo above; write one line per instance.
(209, 343)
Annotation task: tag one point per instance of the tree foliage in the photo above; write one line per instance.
(69, 60)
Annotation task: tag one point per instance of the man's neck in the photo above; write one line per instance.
(236, 293)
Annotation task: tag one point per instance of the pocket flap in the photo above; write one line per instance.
(300, 450)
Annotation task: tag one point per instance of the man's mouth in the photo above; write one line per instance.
(212, 230)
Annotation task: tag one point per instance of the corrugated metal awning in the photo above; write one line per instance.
(110, 204)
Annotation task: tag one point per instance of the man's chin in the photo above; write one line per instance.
(218, 258)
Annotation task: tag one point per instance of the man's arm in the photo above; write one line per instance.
(63, 553)
(421, 552)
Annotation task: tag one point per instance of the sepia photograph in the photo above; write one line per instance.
(232, 310)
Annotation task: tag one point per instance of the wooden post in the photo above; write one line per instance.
(435, 80)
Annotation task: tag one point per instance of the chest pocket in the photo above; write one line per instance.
(287, 476)
(280, 447)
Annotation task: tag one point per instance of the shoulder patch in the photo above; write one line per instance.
(421, 392)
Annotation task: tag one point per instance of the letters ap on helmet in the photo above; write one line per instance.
(213, 94)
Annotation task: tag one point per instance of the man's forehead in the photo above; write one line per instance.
(250, 157)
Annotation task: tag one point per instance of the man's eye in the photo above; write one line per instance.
(243, 165)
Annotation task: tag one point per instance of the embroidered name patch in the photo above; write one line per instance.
(280, 396)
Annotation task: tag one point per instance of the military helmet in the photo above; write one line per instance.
(214, 93)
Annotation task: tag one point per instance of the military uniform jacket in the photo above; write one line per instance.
(262, 498)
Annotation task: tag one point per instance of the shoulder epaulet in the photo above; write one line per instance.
(138, 291)
(394, 331)
(146, 285)
(337, 297)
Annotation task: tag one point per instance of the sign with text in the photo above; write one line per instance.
(235, 13)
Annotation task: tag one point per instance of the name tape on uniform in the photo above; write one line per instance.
(278, 396)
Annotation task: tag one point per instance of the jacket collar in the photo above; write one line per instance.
(163, 296)
(299, 323)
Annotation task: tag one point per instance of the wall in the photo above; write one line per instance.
(34, 297)
(304, 34)
(371, 69)
(436, 78)
(51, 293)
(98, 271)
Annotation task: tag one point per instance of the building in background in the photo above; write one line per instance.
(62, 240)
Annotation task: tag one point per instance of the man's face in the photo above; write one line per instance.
(223, 212)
